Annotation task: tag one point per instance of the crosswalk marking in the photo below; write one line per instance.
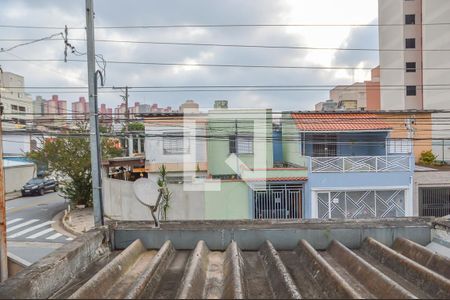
(55, 236)
(29, 229)
(13, 221)
(40, 233)
(21, 225)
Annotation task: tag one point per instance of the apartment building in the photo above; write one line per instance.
(80, 109)
(415, 66)
(357, 96)
(17, 105)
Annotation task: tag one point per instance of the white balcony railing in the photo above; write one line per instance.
(344, 164)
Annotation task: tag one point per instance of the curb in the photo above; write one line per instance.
(61, 225)
(12, 197)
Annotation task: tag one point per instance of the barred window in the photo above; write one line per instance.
(241, 144)
(174, 143)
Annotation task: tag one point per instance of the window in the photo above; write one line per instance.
(22, 108)
(241, 144)
(410, 19)
(410, 67)
(410, 43)
(174, 143)
(411, 90)
(14, 107)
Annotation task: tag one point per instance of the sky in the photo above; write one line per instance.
(174, 12)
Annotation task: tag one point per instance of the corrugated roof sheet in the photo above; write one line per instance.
(407, 270)
(339, 122)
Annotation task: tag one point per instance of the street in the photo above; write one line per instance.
(29, 222)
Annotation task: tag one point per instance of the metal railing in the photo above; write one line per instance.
(344, 164)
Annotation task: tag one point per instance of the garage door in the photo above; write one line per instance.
(434, 201)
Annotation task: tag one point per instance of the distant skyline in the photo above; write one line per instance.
(118, 13)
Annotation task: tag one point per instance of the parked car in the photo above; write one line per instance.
(38, 186)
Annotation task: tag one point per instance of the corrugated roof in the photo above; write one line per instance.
(241, 259)
(407, 270)
(339, 122)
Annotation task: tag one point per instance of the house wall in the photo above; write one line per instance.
(231, 202)
(291, 142)
(357, 181)
(225, 122)
(155, 155)
(421, 129)
(277, 147)
(17, 176)
(16, 144)
(120, 203)
(428, 179)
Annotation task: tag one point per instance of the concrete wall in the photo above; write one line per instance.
(428, 179)
(120, 203)
(16, 177)
(232, 202)
(16, 144)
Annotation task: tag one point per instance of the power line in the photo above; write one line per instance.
(168, 26)
(204, 44)
(223, 65)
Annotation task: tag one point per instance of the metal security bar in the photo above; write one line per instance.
(361, 204)
(343, 164)
(434, 201)
(278, 201)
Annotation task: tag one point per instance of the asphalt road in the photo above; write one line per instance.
(29, 222)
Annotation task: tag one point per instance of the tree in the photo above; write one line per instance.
(70, 158)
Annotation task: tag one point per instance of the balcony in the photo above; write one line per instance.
(349, 164)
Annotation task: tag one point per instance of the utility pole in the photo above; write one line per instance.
(127, 116)
(94, 132)
(3, 248)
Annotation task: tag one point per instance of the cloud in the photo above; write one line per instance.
(134, 12)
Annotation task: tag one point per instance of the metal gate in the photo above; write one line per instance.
(361, 204)
(434, 201)
(278, 201)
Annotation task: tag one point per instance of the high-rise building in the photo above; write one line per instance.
(415, 68)
(414, 61)
(80, 109)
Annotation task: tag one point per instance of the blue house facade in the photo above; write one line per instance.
(351, 172)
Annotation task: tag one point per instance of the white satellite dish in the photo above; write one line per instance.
(148, 193)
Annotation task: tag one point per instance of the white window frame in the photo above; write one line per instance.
(244, 144)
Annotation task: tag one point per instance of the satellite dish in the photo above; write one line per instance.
(146, 191)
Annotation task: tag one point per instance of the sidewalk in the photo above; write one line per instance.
(78, 221)
(13, 195)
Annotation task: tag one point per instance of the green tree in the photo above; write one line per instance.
(69, 157)
(135, 127)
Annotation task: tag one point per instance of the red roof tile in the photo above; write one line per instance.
(339, 122)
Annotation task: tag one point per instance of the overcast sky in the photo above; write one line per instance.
(169, 12)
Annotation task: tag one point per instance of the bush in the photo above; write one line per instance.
(427, 157)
